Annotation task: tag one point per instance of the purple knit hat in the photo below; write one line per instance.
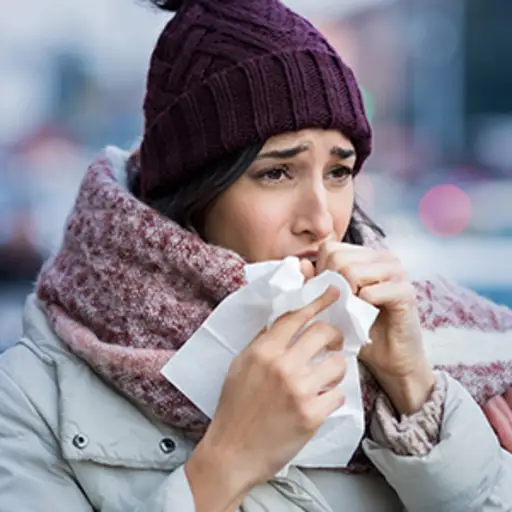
(228, 74)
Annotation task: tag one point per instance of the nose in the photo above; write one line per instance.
(313, 218)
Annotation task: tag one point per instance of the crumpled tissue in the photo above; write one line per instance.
(199, 368)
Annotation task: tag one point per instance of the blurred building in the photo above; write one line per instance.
(436, 80)
(437, 77)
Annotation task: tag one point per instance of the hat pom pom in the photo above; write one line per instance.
(169, 5)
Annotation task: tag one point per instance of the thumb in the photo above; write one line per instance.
(500, 417)
(508, 397)
(307, 269)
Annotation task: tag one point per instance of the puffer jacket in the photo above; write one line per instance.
(69, 442)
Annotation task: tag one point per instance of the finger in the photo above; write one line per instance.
(352, 253)
(287, 326)
(501, 423)
(327, 373)
(316, 338)
(390, 295)
(502, 405)
(326, 403)
(508, 397)
(359, 275)
(307, 268)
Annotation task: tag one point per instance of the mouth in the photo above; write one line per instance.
(309, 255)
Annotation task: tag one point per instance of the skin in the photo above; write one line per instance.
(499, 413)
(297, 199)
(284, 206)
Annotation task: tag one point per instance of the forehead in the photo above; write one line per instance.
(315, 137)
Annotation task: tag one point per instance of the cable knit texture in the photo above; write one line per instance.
(129, 287)
(227, 74)
(414, 435)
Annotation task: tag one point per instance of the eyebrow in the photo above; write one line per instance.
(342, 153)
(285, 153)
(338, 151)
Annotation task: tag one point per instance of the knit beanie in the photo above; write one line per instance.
(228, 74)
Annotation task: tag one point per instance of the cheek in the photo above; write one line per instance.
(249, 227)
(257, 227)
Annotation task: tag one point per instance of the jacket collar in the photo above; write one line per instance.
(96, 423)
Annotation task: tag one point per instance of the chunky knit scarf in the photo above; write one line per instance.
(129, 287)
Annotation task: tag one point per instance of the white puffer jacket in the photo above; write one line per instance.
(70, 443)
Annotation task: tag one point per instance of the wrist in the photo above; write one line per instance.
(408, 394)
(215, 483)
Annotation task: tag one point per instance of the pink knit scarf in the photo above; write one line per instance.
(129, 287)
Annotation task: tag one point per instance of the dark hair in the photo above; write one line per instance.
(168, 5)
(189, 204)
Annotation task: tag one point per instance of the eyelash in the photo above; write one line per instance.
(264, 175)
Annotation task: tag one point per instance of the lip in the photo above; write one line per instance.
(308, 255)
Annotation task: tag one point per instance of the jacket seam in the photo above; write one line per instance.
(36, 350)
(32, 408)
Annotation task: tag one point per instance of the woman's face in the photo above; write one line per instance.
(298, 193)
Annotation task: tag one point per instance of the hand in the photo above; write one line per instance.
(499, 413)
(275, 397)
(396, 356)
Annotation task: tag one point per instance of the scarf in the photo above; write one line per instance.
(129, 287)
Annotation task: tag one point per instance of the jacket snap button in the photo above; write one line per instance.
(80, 441)
(167, 445)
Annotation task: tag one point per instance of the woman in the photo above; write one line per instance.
(254, 132)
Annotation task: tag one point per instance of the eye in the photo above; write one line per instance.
(275, 174)
(340, 173)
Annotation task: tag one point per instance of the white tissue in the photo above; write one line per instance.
(199, 368)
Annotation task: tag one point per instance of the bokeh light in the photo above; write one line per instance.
(368, 103)
(445, 210)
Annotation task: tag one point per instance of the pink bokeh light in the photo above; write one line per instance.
(445, 210)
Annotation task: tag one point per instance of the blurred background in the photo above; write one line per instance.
(436, 84)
